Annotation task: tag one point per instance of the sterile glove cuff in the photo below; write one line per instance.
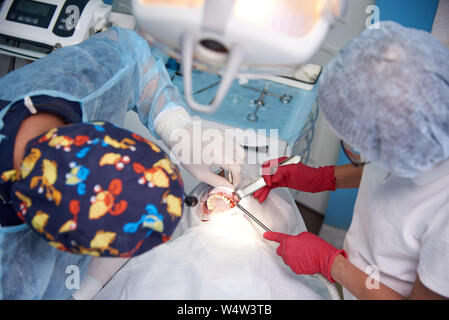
(331, 262)
(168, 121)
(328, 181)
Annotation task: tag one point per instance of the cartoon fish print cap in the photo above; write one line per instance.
(96, 189)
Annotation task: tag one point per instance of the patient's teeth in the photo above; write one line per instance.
(213, 205)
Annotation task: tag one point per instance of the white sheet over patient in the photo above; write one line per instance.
(220, 259)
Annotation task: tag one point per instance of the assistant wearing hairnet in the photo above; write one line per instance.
(387, 95)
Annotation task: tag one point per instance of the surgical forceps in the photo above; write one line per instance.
(260, 103)
(231, 180)
(285, 98)
(260, 182)
(257, 185)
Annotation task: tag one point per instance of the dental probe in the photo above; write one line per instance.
(252, 217)
(230, 178)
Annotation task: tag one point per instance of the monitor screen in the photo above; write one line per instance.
(34, 8)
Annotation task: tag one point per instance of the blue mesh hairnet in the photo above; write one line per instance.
(387, 95)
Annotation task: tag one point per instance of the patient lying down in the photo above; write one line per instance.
(224, 257)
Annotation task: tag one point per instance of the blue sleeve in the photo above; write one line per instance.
(109, 73)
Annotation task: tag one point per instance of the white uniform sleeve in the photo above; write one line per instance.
(433, 267)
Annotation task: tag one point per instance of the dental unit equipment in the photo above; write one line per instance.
(50, 24)
(224, 37)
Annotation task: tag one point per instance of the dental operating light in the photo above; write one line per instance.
(235, 38)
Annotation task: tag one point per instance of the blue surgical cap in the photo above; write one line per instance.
(97, 189)
(387, 95)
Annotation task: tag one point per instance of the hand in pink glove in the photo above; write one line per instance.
(306, 253)
(296, 176)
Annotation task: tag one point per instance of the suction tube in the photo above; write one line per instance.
(335, 295)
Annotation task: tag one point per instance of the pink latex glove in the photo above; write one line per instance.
(306, 253)
(296, 176)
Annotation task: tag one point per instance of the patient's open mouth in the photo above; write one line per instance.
(217, 201)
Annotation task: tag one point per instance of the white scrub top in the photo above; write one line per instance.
(400, 227)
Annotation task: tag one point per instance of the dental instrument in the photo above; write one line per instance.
(207, 87)
(285, 98)
(260, 182)
(252, 217)
(238, 205)
(252, 117)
